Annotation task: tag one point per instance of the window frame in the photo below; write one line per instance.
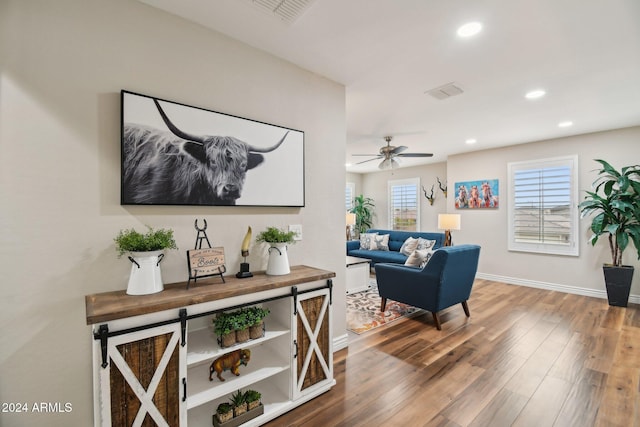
(352, 188)
(401, 182)
(573, 247)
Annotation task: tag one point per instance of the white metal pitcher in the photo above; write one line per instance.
(145, 277)
(278, 263)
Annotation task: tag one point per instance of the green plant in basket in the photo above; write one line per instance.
(223, 328)
(256, 315)
(153, 240)
(222, 324)
(240, 319)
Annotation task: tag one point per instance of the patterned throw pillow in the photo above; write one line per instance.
(419, 258)
(380, 242)
(425, 244)
(409, 246)
(366, 240)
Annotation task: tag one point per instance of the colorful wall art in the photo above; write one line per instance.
(480, 194)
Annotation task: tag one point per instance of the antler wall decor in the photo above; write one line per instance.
(444, 190)
(430, 197)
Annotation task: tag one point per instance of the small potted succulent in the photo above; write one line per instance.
(278, 240)
(252, 397)
(224, 412)
(239, 403)
(146, 252)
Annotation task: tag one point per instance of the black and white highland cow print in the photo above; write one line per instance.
(175, 167)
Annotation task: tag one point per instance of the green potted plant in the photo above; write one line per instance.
(363, 208)
(224, 329)
(153, 240)
(278, 240)
(224, 412)
(615, 202)
(146, 252)
(239, 403)
(252, 397)
(256, 317)
(240, 322)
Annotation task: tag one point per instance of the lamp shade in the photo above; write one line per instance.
(449, 221)
(351, 219)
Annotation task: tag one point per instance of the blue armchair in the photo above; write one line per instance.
(445, 280)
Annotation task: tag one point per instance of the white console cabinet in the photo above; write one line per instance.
(152, 353)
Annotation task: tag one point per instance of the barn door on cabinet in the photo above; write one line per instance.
(313, 357)
(145, 380)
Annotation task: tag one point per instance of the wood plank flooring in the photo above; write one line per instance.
(526, 357)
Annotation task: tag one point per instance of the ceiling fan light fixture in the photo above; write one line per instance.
(388, 164)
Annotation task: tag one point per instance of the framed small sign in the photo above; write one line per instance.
(205, 263)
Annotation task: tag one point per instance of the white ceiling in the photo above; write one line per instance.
(585, 54)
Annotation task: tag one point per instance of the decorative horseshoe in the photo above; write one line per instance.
(195, 223)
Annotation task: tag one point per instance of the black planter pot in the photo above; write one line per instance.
(618, 282)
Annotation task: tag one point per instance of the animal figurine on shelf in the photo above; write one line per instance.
(229, 362)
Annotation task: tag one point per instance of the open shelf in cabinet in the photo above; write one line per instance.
(275, 398)
(202, 344)
(266, 361)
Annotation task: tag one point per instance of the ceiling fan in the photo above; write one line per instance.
(389, 153)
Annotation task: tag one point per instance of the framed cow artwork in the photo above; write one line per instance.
(175, 154)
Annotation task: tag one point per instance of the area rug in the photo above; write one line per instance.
(363, 310)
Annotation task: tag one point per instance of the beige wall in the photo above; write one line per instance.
(374, 185)
(582, 274)
(63, 66)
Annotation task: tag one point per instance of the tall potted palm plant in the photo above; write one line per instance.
(363, 208)
(615, 201)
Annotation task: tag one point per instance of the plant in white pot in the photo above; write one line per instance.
(615, 202)
(278, 240)
(146, 253)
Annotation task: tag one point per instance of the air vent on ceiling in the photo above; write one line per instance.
(445, 91)
(287, 10)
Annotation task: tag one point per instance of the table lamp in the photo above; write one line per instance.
(351, 220)
(448, 222)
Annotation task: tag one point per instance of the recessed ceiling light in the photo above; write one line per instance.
(471, 141)
(347, 164)
(469, 29)
(535, 94)
(565, 124)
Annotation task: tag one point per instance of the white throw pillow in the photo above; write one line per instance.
(366, 240)
(425, 244)
(409, 246)
(419, 258)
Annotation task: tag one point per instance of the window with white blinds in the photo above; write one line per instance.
(404, 204)
(543, 214)
(349, 190)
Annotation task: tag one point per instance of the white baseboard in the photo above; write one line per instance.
(340, 342)
(552, 286)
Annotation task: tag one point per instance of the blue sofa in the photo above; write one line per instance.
(444, 281)
(396, 239)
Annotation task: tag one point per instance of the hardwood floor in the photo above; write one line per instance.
(526, 357)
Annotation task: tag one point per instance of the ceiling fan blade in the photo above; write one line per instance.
(398, 149)
(367, 155)
(365, 161)
(415, 155)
